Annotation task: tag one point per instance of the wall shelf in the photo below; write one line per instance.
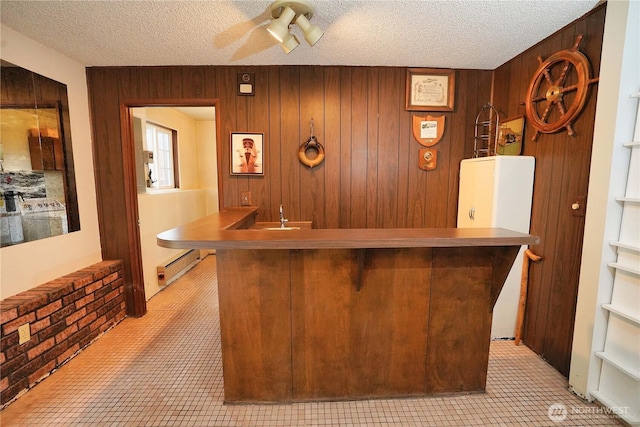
(622, 267)
(619, 382)
(625, 246)
(602, 398)
(613, 361)
(633, 318)
(628, 199)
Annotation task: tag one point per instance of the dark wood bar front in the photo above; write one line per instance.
(305, 315)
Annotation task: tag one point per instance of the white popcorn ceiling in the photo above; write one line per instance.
(462, 34)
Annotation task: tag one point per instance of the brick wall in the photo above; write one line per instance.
(64, 316)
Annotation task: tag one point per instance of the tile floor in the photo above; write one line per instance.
(164, 369)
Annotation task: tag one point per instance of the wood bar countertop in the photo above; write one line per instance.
(229, 229)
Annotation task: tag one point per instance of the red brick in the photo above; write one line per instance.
(79, 336)
(9, 341)
(55, 351)
(62, 313)
(67, 354)
(12, 365)
(38, 300)
(111, 278)
(40, 325)
(83, 281)
(66, 333)
(13, 390)
(105, 289)
(48, 309)
(105, 327)
(40, 348)
(62, 290)
(93, 287)
(52, 330)
(91, 335)
(13, 325)
(99, 321)
(74, 317)
(69, 299)
(87, 319)
(8, 315)
(3, 358)
(4, 384)
(95, 305)
(111, 295)
(84, 301)
(42, 372)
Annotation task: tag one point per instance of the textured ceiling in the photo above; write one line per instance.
(474, 34)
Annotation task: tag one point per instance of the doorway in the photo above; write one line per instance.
(151, 209)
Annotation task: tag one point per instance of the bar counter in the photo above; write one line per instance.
(315, 314)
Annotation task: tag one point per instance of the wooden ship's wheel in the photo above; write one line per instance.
(558, 91)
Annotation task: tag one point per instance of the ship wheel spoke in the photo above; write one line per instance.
(568, 89)
(547, 76)
(563, 74)
(539, 98)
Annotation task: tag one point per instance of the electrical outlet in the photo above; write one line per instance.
(245, 198)
(24, 332)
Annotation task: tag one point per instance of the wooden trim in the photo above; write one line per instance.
(134, 292)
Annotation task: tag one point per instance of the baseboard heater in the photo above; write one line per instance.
(175, 266)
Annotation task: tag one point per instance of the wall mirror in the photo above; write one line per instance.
(38, 187)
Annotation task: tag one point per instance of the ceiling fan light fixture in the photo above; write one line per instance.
(312, 33)
(279, 28)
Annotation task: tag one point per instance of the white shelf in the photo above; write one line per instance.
(633, 318)
(629, 419)
(624, 268)
(618, 365)
(631, 144)
(625, 246)
(628, 199)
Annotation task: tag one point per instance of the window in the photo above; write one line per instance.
(162, 142)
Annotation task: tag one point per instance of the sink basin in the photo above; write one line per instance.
(278, 228)
(274, 226)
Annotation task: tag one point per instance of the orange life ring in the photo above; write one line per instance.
(302, 153)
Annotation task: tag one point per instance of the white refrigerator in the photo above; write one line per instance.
(496, 191)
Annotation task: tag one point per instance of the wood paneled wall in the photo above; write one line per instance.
(370, 176)
(562, 174)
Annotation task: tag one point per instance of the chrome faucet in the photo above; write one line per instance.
(282, 220)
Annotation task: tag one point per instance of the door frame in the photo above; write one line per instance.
(136, 292)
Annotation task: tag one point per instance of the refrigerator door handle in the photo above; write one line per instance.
(472, 214)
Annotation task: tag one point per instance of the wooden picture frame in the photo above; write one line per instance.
(247, 153)
(430, 89)
(510, 136)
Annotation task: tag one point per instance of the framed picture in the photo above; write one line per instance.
(430, 89)
(510, 136)
(247, 151)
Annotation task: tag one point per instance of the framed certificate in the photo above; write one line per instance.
(430, 89)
